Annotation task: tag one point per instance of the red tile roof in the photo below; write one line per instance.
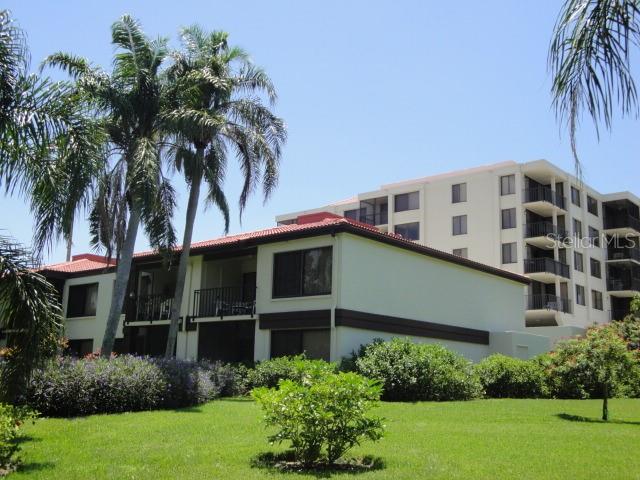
(329, 224)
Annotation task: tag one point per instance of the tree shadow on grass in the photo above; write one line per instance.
(284, 463)
(580, 418)
(28, 467)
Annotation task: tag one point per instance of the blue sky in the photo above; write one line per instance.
(372, 92)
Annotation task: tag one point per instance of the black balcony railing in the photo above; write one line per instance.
(548, 302)
(623, 253)
(621, 221)
(380, 218)
(153, 307)
(544, 229)
(224, 302)
(623, 284)
(543, 194)
(544, 264)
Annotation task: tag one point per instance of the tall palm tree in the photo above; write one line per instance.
(133, 188)
(218, 108)
(589, 58)
(31, 316)
(42, 126)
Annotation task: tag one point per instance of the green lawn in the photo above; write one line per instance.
(492, 439)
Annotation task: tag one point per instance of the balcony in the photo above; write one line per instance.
(545, 269)
(542, 200)
(224, 302)
(548, 302)
(543, 234)
(623, 253)
(381, 218)
(623, 287)
(150, 308)
(621, 224)
(618, 314)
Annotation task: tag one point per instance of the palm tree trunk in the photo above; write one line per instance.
(69, 242)
(122, 280)
(192, 209)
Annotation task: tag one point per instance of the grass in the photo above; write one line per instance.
(492, 439)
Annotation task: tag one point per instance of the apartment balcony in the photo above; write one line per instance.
(150, 308)
(545, 269)
(548, 303)
(543, 200)
(618, 314)
(623, 254)
(224, 302)
(381, 218)
(621, 224)
(543, 234)
(623, 287)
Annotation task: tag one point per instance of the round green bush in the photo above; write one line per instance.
(268, 373)
(508, 377)
(412, 371)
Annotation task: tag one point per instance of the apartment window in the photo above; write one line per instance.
(83, 300)
(508, 218)
(406, 201)
(577, 228)
(592, 205)
(596, 300)
(313, 343)
(410, 231)
(79, 348)
(575, 196)
(351, 214)
(509, 253)
(580, 300)
(594, 267)
(594, 236)
(578, 261)
(459, 193)
(507, 184)
(460, 225)
(461, 252)
(302, 273)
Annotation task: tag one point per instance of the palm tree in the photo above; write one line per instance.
(133, 188)
(217, 108)
(589, 58)
(30, 314)
(42, 127)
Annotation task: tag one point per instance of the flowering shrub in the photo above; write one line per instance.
(68, 387)
(508, 377)
(322, 417)
(11, 419)
(269, 372)
(412, 371)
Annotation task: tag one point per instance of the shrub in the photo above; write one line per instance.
(231, 379)
(323, 417)
(11, 419)
(269, 372)
(411, 371)
(508, 377)
(69, 387)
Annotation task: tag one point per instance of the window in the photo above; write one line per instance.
(83, 300)
(313, 343)
(410, 231)
(407, 201)
(594, 236)
(578, 262)
(595, 268)
(508, 218)
(509, 253)
(79, 348)
(577, 228)
(580, 300)
(596, 300)
(592, 205)
(459, 193)
(507, 184)
(460, 225)
(302, 273)
(575, 196)
(351, 214)
(461, 252)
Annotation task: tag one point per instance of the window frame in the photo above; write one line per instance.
(580, 290)
(417, 224)
(462, 252)
(513, 219)
(409, 196)
(461, 192)
(597, 302)
(592, 202)
(592, 262)
(459, 218)
(511, 184)
(301, 292)
(577, 254)
(85, 287)
(513, 253)
(576, 196)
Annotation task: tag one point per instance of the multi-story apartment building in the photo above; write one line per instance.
(579, 247)
(324, 286)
